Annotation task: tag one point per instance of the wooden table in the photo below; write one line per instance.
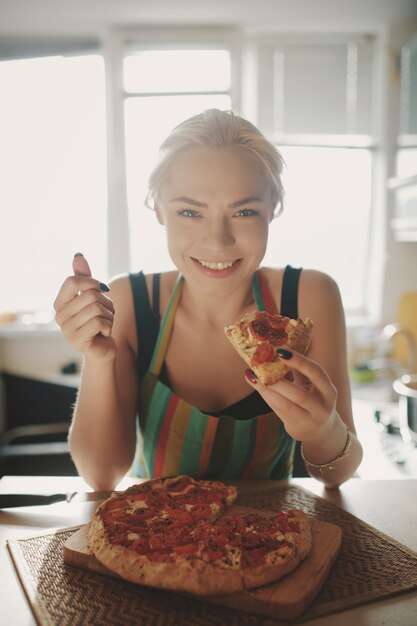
(389, 505)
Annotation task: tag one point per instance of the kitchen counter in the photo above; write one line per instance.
(389, 505)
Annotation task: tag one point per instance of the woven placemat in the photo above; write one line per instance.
(371, 566)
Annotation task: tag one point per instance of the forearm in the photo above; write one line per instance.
(337, 454)
(102, 437)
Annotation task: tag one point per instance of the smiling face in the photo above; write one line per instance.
(216, 206)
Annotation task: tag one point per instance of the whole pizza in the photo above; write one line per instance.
(177, 533)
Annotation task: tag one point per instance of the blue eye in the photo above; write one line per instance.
(247, 213)
(188, 213)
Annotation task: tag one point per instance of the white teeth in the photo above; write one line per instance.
(216, 266)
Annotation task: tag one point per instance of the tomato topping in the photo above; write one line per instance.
(178, 514)
(237, 523)
(213, 555)
(188, 549)
(178, 486)
(144, 514)
(201, 511)
(251, 558)
(117, 517)
(160, 541)
(160, 557)
(140, 545)
(263, 354)
(112, 505)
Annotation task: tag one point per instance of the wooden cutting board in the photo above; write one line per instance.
(286, 599)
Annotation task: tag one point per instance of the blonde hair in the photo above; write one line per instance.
(219, 129)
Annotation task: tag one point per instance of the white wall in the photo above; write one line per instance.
(92, 16)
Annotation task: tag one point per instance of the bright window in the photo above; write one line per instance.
(314, 101)
(53, 167)
(326, 221)
(53, 175)
(193, 80)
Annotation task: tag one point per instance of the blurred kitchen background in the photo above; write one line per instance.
(89, 88)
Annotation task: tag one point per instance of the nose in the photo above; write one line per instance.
(218, 234)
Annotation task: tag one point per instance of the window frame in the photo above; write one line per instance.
(370, 310)
(115, 47)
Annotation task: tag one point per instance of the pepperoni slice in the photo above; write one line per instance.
(266, 327)
(263, 354)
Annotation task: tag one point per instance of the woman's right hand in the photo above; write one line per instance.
(85, 314)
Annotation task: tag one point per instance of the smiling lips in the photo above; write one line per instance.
(216, 266)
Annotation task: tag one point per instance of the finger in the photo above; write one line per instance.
(309, 369)
(279, 403)
(80, 265)
(80, 316)
(304, 397)
(73, 286)
(86, 334)
(76, 305)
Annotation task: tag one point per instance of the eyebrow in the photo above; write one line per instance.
(233, 205)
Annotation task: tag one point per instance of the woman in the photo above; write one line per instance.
(164, 355)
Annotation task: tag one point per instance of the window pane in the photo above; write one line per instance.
(53, 173)
(148, 121)
(177, 70)
(315, 88)
(325, 223)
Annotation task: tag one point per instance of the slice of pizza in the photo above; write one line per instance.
(259, 335)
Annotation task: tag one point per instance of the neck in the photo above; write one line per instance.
(217, 310)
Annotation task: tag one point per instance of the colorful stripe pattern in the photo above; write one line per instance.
(176, 438)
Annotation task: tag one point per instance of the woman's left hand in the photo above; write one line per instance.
(306, 405)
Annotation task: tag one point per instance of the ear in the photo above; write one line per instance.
(159, 215)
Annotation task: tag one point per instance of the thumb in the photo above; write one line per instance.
(80, 265)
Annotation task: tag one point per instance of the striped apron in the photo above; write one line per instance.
(174, 437)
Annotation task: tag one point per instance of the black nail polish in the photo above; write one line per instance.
(284, 354)
(78, 254)
(104, 287)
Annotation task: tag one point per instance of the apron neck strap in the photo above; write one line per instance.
(166, 328)
(261, 295)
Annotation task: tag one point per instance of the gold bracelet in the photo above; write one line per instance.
(331, 464)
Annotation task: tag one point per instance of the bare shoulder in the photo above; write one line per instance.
(274, 277)
(318, 296)
(319, 299)
(119, 285)
(122, 296)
